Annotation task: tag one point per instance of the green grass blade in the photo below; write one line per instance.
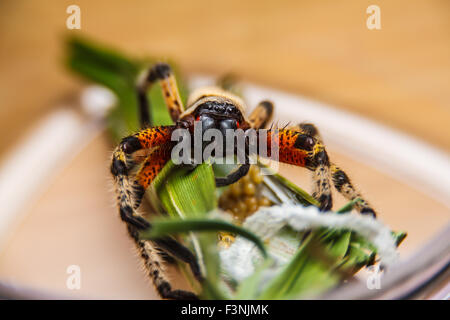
(302, 193)
(312, 269)
(119, 72)
(399, 236)
(249, 288)
(190, 194)
(162, 228)
(187, 193)
(280, 285)
(348, 206)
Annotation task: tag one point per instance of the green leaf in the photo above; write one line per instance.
(119, 73)
(302, 194)
(303, 272)
(338, 247)
(249, 288)
(357, 257)
(349, 206)
(99, 63)
(190, 194)
(162, 228)
(399, 236)
(185, 192)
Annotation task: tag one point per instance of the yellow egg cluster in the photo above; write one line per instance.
(241, 200)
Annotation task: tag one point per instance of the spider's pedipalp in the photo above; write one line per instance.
(163, 73)
(234, 176)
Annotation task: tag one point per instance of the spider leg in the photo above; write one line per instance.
(155, 268)
(179, 251)
(309, 129)
(122, 163)
(321, 178)
(340, 179)
(164, 74)
(167, 258)
(298, 148)
(261, 115)
(343, 184)
(130, 192)
(152, 165)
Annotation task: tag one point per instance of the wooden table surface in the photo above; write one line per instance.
(398, 75)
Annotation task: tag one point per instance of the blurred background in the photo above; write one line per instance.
(398, 76)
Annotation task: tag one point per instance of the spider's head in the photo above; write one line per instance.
(216, 114)
(216, 109)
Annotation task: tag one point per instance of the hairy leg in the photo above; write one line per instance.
(163, 73)
(340, 179)
(155, 268)
(297, 147)
(344, 186)
(122, 163)
(261, 115)
(130, 191)
(321, 178)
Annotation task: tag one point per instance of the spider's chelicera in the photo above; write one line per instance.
(222, 145)
(214, 114)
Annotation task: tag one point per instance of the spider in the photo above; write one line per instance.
(299, 145)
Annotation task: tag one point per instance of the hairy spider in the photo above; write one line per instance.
(298, 145)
